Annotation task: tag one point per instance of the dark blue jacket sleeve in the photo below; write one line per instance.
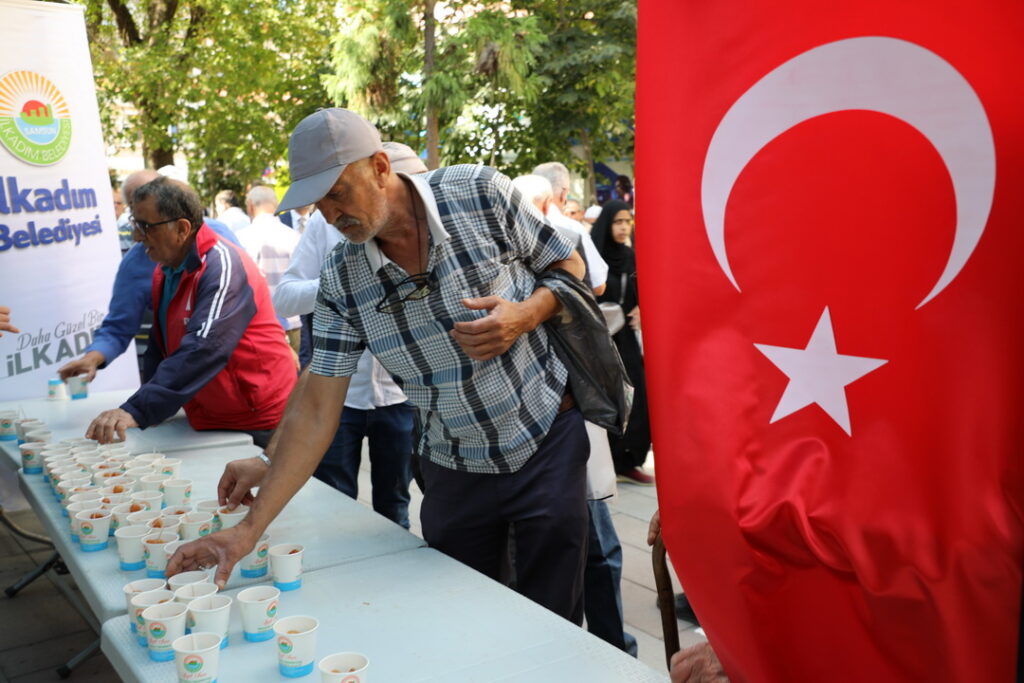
(133, 286)
(224, 307)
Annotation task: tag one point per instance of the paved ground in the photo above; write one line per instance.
(39, 629)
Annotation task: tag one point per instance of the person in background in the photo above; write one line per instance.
(375, 408)
(590, 215)
(624, 190)
(572, 209)
(216, 348)
(612, 232)
(270, 244)
(5, 321)
(229, 211)
(131, 298)
(297, 219)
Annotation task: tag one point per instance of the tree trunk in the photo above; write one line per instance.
(429, 48)
(590, 188)
(158, 158)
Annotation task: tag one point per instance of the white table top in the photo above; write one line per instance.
(334, 529)
(417, 615)
(68, 419)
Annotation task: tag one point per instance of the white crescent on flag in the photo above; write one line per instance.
(881, 74)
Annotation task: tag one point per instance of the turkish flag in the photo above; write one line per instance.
(830, 229)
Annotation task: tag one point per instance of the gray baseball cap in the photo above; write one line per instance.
(320, 148)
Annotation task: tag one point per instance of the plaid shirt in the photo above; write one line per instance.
(477, 416)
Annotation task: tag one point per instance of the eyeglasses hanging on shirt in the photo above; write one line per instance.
(414, 287)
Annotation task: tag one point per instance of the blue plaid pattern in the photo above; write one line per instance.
(478, 416)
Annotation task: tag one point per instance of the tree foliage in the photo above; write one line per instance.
(223, 81)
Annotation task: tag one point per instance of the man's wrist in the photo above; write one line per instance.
(264, 458)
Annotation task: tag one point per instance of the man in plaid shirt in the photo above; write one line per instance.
(437, 278)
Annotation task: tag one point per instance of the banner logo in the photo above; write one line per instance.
(35, 122)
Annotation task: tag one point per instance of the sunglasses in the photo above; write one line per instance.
(412, 288)
(143, 227)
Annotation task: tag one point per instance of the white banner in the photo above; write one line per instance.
(58, 239)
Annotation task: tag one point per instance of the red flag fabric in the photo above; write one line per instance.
(829, 235)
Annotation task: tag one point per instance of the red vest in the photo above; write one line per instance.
(250, 392)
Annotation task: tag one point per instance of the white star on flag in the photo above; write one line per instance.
(818, 374)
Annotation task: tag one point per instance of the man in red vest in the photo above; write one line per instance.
(216, 347)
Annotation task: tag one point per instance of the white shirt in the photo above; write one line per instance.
(270, 243)
(234, 218)
(299, 222)
(597, 269)
(372, 385)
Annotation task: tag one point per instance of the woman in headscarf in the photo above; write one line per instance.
(611, 234)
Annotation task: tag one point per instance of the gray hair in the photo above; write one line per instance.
(261, 195)
(136, 180)
(556, 173)
(227, 197)
(174, 199)
(534, 188)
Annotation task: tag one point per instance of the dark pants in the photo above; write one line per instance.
(306, 341)
(602, 594)
(261, 437)
(469, 516)
(389, 430)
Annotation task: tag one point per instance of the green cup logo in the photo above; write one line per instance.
(262, 552)
(157, 630)
(193, 664)
(204, 528)
(285, 645)
(86, 528)
(35, 122)
(272, 609)
(29, 456)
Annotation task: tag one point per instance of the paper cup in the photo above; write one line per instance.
(153, 552)
(162, 523)
(44, 435)
(137, 473)
(120, 513)
(259, 612)
(176, 511)
(231, 518)
(254, 565)
(177, 492)
(185, 578)
(79, 441)
(344, 667)
(211, 506)
(186, 594)
(130, 549)
(153, 500)
(286, 566)
(152, 482)
(197, 657)
(27, 424)
(296, 646)
(170, 466)
(78, 387)
(93, 530)
(31, 457)
(141, 518)
(140, 602)
(149, 458)
(164, 624)
(135, 588)
(172, 547)
(56, 390)
(211, 614)
(8, 432)
(73, 511)
(195, 525)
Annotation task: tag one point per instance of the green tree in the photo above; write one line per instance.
(224, 81)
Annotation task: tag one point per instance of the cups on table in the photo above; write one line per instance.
(344, 667)
(177, 492)
(296, 645)
(27, 424)
(196, 525)
(197, 657)
(135, 588)
(120, 513)
(254, 565)
(192, 591)
(164, 523)
(130, 549)
(152, 482)
(44, 435)
(78, 387)
(211, 614)
(140, 602)
(142, 517)
(185, 578)
(259, 612)
(8, 432)
(230, 518)
(211, 506)
(286, 566)
(151, 499)
(164, 623)
(31, 457)
(74, 509)
(93, 530)
(56, 390)
(153, 552)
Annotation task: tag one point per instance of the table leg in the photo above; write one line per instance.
(50, 562)
(65, 670)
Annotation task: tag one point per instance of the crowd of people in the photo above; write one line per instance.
(381, 301)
